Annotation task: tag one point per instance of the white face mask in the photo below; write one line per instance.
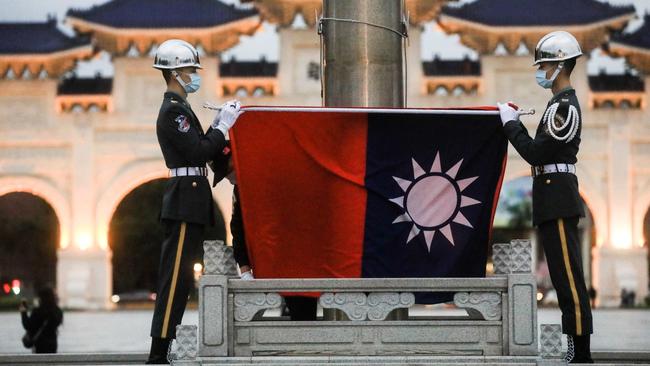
(193, 85)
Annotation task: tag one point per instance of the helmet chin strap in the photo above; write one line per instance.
(179, 79)
(557, 71)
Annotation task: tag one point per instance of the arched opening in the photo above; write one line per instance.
(135, 237)
(513, 220)
(29, 236)
(514, 215)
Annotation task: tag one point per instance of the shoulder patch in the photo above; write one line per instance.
(559, 127)
(183, 123)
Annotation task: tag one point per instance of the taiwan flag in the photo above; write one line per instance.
(352, 193)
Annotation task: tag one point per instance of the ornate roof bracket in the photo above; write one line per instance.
(486, 38)
(283, 12)
(421, 11)
(634, 46)
(119, 41)
(42, 66)
(635, 56)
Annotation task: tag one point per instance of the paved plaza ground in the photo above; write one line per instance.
(128, 330)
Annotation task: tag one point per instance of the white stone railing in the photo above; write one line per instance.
(501, 321)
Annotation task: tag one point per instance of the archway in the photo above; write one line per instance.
(135, 236)
(29, 239)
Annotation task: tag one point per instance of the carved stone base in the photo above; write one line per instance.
(480, 305)
(359, 306)
(249, 305)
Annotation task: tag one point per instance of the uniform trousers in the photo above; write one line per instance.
(561, 244)
(180, 249)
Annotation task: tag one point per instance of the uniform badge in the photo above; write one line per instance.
(183, 123)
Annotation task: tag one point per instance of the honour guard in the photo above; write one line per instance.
(187, 201)
(556, 200)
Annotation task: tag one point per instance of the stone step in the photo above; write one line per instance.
(370, 360)
(389, 360)
(74, 359)
(602, 358)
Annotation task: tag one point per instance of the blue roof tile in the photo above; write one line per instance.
(536, 12)
(162, 13)
(36, 38)
(260, 68)
(439, 67)
(638, 38)
(76, 86)
(625, 82)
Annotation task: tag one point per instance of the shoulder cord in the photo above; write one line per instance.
(572, 121)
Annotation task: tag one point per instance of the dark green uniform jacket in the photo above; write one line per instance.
(184, 144)
(557, 140)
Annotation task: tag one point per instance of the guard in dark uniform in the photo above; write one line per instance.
(557, 206)
(187, 202)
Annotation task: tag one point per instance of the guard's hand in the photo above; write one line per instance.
(507, 112)
(23, 306)
(247, 276)
(230, 111)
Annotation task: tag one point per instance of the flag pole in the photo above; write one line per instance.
(362, 62)
(362, 58)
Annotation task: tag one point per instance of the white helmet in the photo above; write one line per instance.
(557, 46)
(174, 54)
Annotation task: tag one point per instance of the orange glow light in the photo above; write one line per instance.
(83, 240)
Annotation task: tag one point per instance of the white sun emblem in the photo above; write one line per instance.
(433, 200)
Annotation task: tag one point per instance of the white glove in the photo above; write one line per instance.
(224, 121)
(507, 113)
(247, 276)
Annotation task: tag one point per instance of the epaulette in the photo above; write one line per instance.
(176, 106)
(560, 128)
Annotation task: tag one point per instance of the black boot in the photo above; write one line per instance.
(579, 349)
(158, 352)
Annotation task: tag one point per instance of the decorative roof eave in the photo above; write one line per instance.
(596, 99)
(283, 12)
(65, 103)
(269, 84)
(635, 56)
(118, 41)
(41, 66)
(449, 82)
(485, 38)
(421, 11)
(267, 80)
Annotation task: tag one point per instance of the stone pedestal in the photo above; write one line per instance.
(84, 278)
(618, 269)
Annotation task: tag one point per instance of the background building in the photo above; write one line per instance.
(83, 144)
